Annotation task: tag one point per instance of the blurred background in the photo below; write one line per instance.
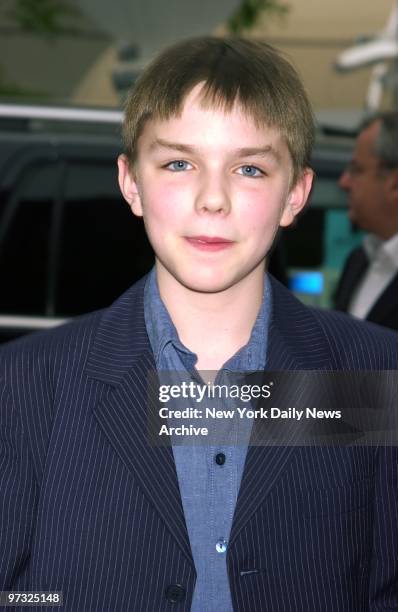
(78, 50)
(68, 244)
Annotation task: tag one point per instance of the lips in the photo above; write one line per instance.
(209, 243)
(210, 239)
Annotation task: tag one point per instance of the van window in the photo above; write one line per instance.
(25, 221)
(103, 248)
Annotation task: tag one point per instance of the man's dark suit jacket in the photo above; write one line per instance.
(89, 508)
(385, 309)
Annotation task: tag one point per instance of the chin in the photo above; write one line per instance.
(203, 286)
(207, 283)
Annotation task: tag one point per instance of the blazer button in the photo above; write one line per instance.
(175, 593)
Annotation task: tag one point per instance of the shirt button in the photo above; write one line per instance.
(221, 545)
(175, 593)
(220, 458)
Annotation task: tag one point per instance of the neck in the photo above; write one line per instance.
(387, 225)
(387, 233)
(213, 325)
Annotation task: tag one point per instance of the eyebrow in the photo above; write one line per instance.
(266, 151)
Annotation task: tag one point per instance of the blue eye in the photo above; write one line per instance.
(251, 171)
(178, 165)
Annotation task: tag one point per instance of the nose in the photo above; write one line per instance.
(213, 194)
(345, 180)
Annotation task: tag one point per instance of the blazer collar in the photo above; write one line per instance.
(121, 337)
(295, 340)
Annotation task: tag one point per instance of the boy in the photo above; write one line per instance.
(217, 138)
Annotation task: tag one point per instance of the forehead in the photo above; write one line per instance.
(366, 141)
(207, 122)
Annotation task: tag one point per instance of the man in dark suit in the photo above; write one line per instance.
(368, 287)
(217, 139)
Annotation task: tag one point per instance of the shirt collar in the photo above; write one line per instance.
(160, 327)
(376, 248)
(162, 332)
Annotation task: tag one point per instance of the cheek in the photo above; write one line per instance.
(161, 205)
(262, 215)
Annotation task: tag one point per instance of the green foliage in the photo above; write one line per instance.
(246, 15)
(42, 16)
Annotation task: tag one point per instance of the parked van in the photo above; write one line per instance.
(69, 243)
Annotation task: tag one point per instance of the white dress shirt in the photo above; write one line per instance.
(383, 258)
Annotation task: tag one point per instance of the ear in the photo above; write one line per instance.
(297, 197)
(128, 185)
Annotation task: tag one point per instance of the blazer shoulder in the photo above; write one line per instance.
(45, 352)
(360, 344)
(326, 339)
(69, 345)
(77, 330)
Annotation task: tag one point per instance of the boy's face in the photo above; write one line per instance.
(213, 188)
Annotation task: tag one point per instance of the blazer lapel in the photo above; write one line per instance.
(353, 271)
(294, 343)
(122, 359)
(387, 303)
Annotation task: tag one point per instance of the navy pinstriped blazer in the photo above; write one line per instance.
(87, 507)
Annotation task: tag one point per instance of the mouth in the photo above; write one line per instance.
(209, 243)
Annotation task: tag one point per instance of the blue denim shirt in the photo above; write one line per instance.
(209, 490)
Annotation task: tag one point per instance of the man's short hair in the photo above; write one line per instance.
(386, 144)
(233, 70)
